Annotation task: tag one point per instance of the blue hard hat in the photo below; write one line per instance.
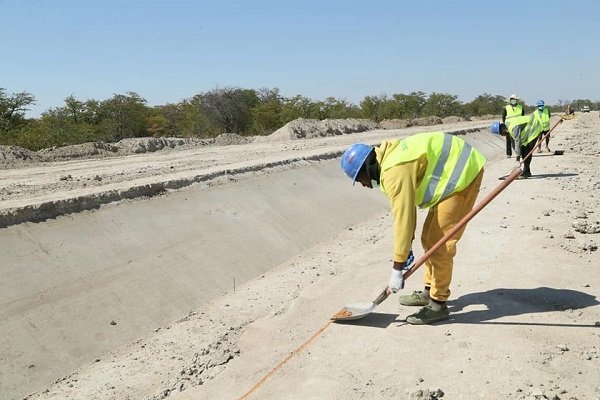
(353, 159)
(540, 103)
(495, 128)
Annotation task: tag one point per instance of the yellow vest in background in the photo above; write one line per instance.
(516, 111)
(544, 118)
(452, 164)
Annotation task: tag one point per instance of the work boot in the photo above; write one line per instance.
(428, 315)
(417, 298)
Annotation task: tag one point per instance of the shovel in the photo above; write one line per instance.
(360, 310)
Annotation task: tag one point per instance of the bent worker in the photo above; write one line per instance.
(524, 131)
(511, 110)
(433, 170)
(543, 115)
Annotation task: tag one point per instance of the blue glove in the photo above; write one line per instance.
(409, 260)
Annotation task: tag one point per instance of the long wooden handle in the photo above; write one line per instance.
(478, 207)
(382, 296)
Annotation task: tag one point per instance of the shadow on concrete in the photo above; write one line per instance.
(561, 175)
(502, 303)
(542, 176)
(373, 320)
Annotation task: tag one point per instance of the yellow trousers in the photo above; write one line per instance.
(442, 218)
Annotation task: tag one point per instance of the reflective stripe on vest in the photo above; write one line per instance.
(544, 118)
(516, 111)
(452, 164)
(436, 176)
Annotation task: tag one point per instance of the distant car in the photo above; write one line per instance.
(585, 109)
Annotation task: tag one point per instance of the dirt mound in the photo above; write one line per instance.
(426, 121)
(14, 156)
(10, 155)
(310, 128)
(453, 119)
(226, 139)
(484, 117)
(77, 151)
(149, 144)
(395, 123)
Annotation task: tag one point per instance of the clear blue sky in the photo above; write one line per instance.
(167, 51)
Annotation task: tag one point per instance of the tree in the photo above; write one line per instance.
(485, 104)
(410, 105)
(228, 109)
(334, 108)
(123, 116)
(442, 105)
(12, 108)
(299, 107)
(371, 107)
(74, 107)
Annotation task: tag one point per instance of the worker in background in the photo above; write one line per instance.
(511, 110)
(542, 114)
(569, 110)
(524, 131)
(437, 171)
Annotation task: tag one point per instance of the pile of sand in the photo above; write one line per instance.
(426, 121)
(395, 123)
(453, 119)
(484, 117)
(14, 156)
(226, 139)
(89, 149)
(311, 128)
(149, 144)
(10, 155)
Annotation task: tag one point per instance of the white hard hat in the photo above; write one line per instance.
(513, 96)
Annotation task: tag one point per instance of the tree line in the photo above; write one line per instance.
(222, 110)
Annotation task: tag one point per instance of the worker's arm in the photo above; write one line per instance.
(504, 115)
(400, 184)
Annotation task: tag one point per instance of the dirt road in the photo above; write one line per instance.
(525, 304)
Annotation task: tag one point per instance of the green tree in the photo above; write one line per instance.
(334, 108)
(267, 115)
(485, 104)
(228, 109)
(123, 116)
(372, 107)
(12, 109)
(299, 107)
(442, 105)
(410, 105)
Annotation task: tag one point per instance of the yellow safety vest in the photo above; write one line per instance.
(516, 111)
(532, 128)
(544, 118)
(452, 164)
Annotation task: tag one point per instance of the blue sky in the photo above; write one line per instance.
(167, 51)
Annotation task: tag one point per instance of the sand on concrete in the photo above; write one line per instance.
(524, 302)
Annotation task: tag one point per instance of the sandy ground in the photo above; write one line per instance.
(525, 311)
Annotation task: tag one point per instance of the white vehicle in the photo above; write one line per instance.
(585, 109)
